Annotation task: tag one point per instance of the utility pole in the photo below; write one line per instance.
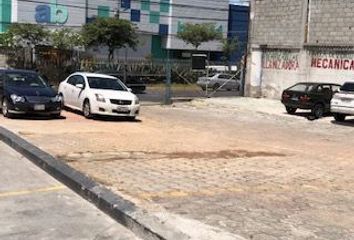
(86, 11)
(167, 100)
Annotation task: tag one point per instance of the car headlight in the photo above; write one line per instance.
(136, 100)
(100, 98)
(57, 98)
(17, 99)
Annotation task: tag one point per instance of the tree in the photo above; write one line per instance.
(66, 39)
(24, 35)
(229, 47)
(196, 34)
(111, 32)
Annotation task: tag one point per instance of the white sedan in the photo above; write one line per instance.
(98, 94)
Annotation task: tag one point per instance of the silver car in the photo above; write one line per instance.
(220, 81)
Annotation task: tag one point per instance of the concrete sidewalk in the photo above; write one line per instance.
(35, 206)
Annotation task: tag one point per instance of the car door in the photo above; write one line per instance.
(327, 94)
(225, 81)
(77, 93)
(68, 90)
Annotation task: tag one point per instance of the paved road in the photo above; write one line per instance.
(35, 206)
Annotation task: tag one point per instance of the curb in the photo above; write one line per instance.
(125, 212)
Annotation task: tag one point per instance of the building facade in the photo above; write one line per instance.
(299, 41)
(158, 21)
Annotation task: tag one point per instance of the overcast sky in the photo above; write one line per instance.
(243, 2)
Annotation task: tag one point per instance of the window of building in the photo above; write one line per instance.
(135, 15)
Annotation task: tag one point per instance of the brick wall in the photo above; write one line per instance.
(278, 22)
(331, 22)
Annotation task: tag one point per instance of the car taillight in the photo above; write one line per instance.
(305, 98)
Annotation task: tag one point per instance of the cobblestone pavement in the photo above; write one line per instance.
(260, 175)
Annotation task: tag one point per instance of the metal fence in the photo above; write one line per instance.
(56, 65)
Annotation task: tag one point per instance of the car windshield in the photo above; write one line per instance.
(348, 87)
(106, 83)
(25, 79)
(301, 88)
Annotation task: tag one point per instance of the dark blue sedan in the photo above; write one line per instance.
(26, 92)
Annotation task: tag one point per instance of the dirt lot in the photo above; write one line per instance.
(241, 165)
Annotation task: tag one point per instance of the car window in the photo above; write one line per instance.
(24, 79)
(106, 83)
(80, 80)
(326, 89)
(348, 87)
(335, 88)
(302, 87)
(72, 80)
(223, 76)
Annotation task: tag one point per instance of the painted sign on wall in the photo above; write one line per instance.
(333, 63)
(280, 60)
(52, 13)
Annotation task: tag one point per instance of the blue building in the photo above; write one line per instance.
(238, 27)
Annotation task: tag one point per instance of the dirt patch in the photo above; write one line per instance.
(117, 156)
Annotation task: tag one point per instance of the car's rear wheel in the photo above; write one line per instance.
(5, 109)
(339, 117)
(318, 110)
(290, 110)
(87, 109)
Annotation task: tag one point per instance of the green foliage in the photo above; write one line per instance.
(25, 34)
(229, 47)
(111, 32)
(196, 34)
(6, 40)
(66, 39)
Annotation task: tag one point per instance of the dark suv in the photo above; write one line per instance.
(26, 92)
(313, 96)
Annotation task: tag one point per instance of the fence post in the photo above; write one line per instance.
(167, 99)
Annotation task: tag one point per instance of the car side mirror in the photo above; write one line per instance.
(79, 85)
(130, 90)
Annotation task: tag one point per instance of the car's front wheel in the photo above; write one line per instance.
(290, 110)
(5, 109)
(87, 109)
(339, 117)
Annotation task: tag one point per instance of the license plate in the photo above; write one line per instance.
(39, 107)
(295, 98)
(123, 109)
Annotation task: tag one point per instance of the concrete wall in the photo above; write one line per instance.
(282, 68)
(277, 22)
(331, 22)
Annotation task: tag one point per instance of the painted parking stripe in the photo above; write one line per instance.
(31, 191)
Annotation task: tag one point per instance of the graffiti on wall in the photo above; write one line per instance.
(333, 62)
(280, 60)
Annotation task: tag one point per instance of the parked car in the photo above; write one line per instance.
(313, 96)
(26, 92)
(98, 94)
(220, 81)
(342, 103)
(135, 83)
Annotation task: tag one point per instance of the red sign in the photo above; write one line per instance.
(281, 64)
(333, 63)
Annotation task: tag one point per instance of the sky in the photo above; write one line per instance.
(241, 2)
